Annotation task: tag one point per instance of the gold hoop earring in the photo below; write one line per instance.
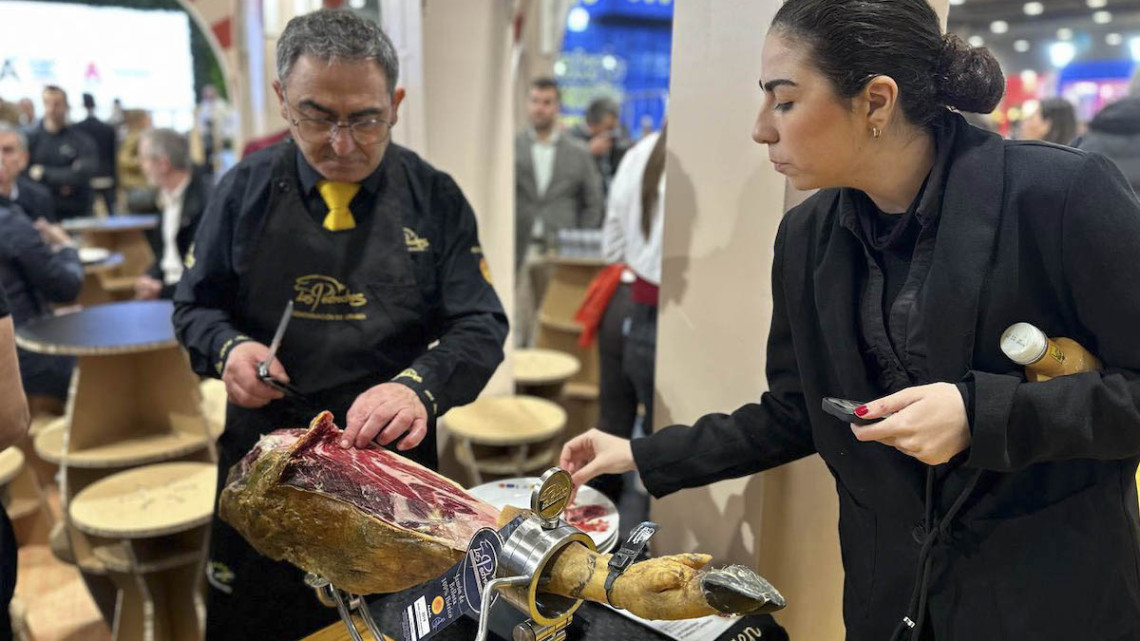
(876, 132)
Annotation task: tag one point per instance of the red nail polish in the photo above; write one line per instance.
(861, 411)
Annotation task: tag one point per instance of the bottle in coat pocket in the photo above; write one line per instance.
(1043, 357)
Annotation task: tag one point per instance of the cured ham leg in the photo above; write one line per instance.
(371, 521)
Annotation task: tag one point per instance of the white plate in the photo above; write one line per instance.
(93, 254)
(603, 529)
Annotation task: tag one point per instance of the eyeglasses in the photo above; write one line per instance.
(365, 131)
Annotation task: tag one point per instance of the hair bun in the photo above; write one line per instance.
(968, 78)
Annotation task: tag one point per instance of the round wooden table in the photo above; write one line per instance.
(123, 234)
(515, 435)
(134, 401)
(98, 276)
(147, 524)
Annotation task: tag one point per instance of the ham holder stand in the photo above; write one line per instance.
(526, 550)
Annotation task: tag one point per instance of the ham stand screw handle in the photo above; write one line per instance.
(330, 596)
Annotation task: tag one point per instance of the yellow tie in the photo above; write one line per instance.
(337, 196)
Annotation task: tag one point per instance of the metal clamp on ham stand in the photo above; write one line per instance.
(523, 560)
(529, 544)
(346, 605)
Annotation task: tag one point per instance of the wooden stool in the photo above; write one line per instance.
(543, 372)
(148, 527)
(134, 401)
(214, 405)
(23, 499)
(520, 427)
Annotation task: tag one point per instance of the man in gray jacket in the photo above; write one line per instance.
(557, 186)
(1115, 132)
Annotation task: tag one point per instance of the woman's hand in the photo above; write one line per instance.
(595, 452)
(926, 422)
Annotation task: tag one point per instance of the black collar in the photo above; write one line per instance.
(310, 177)
(927, 204)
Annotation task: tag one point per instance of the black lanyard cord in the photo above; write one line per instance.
(916, 610)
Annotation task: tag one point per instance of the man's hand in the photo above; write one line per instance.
(147, 288)
(601, 144)
(926, 422)
(243, 387)
(53, 235)
(385, 413)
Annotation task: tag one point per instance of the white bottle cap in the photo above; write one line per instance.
(1024, 344)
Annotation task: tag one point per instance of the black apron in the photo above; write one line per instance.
(359, 319)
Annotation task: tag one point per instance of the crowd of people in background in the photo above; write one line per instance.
(53, 170)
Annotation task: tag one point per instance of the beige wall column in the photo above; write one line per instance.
(467, 102)
(723, 206)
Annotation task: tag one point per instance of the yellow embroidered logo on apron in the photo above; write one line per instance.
(316, 294)
(414, 242)
(486, 269)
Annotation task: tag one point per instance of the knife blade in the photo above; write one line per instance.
(263, 366)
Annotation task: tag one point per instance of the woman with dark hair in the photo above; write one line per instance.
(1054, 120)
(978, 505)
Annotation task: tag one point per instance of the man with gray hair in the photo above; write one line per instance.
(164, 155)
(32, 198)
(379, 256)
(1115, 133)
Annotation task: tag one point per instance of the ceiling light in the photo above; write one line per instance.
(999, 26)
(1134, 44)
(1021, 46)
(1062, 53)
(1034, 8)
(976, 41)
(1102, 17)
(1097, 4)
(1114, 39)
(1064, 33)
(578, 19)
(957, 2)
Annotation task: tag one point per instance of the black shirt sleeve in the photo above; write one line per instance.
(4, 309)
(55, 276)
(1090, 415)
(756, 437)
(205, 297)
(473, 323)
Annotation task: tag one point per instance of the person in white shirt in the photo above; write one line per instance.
(627, 337)
(183, 191)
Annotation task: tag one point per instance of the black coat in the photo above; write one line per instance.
(35, 199)
(1115, 132)
(1048, 544)
(194, 200)
(106, 144)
